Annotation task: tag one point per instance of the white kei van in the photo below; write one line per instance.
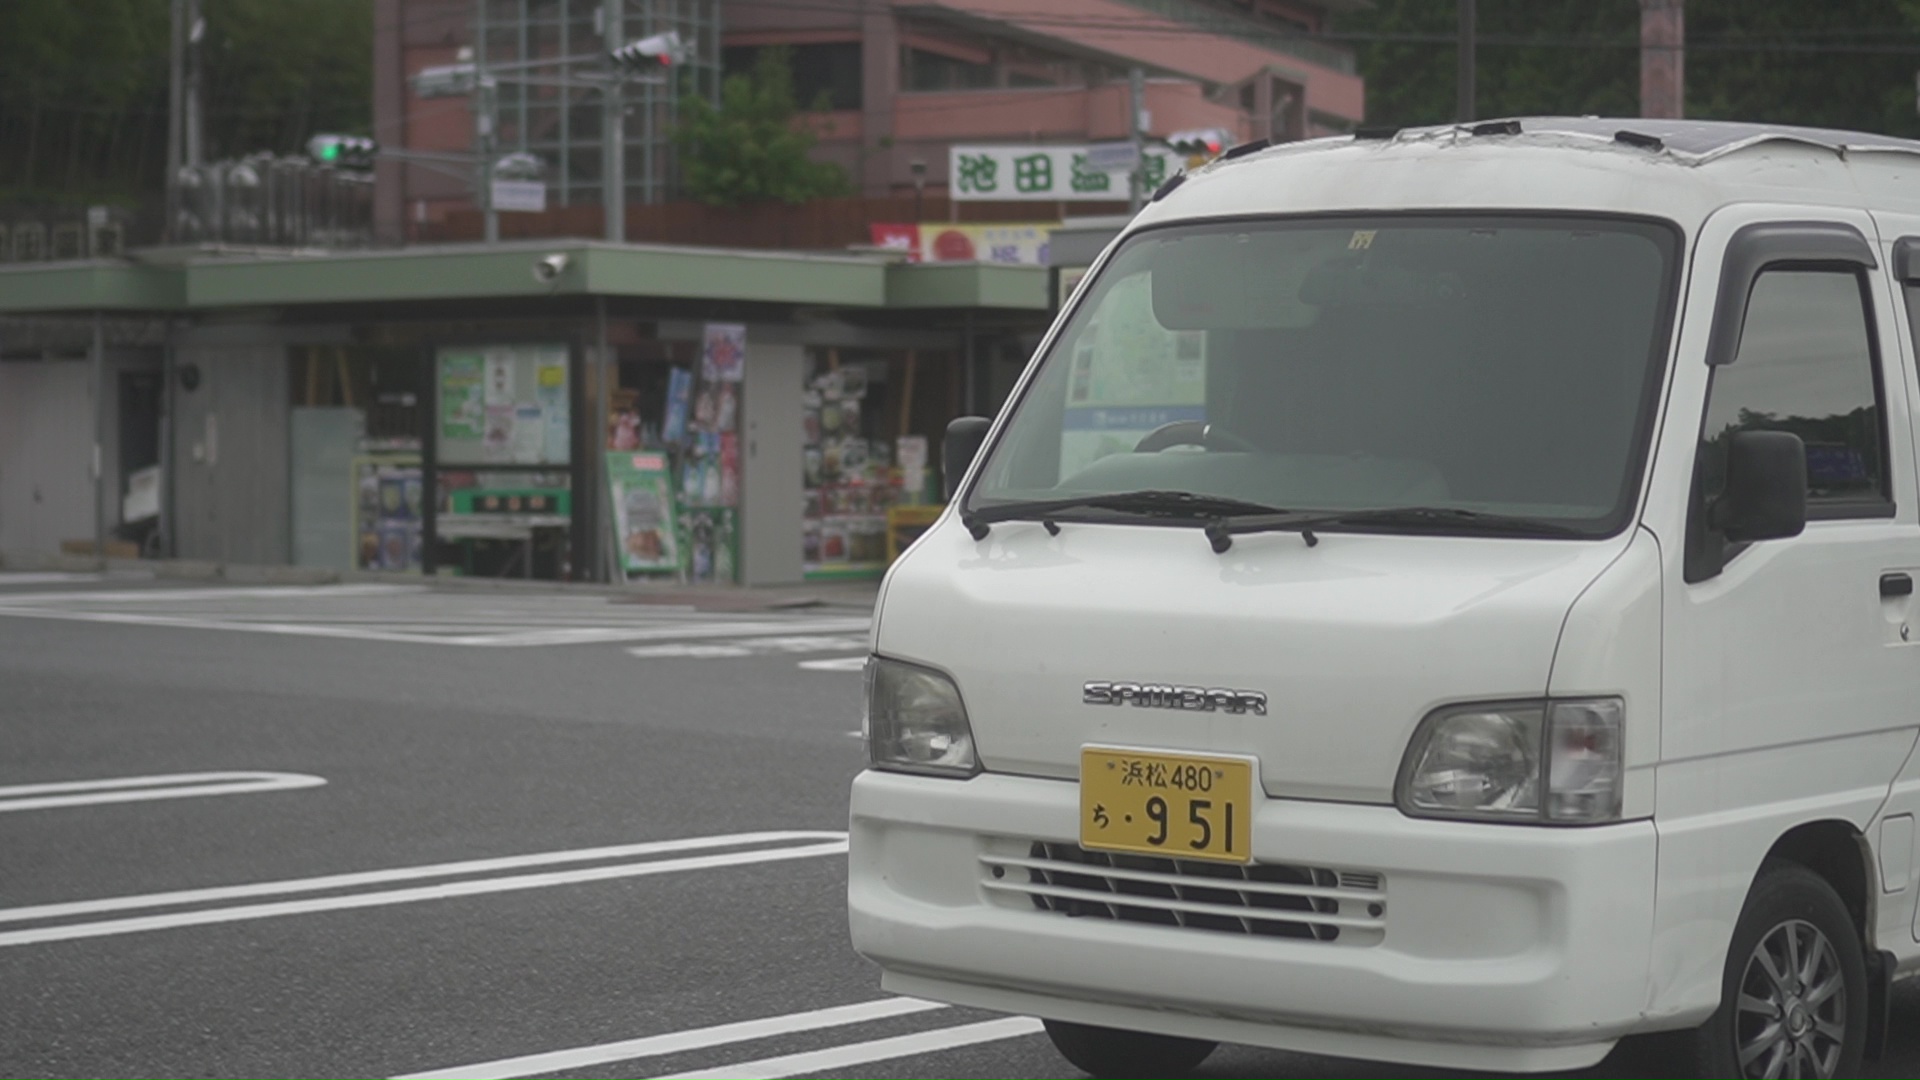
(1443, 596)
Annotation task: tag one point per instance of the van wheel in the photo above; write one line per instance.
(1110, 1052)
(1794, 999)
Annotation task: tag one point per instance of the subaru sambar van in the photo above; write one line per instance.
(1441, 596)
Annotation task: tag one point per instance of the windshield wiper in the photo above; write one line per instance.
(1222, 531)
(1165, 504)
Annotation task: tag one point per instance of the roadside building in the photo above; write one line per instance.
(904, 83)
(498, 409)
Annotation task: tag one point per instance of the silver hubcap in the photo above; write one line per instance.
(1791, 1019)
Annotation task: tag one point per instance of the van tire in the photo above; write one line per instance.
(1789, 908)
(1111, 1052)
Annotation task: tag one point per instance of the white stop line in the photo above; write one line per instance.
(809, 1061)
(143, 788)
(784, 845)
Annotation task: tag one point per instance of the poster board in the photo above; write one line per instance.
(645, 525)
(503, 404)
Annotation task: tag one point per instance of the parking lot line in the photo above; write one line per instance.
(861, 1053)
(825, 843)
(143, 788)
(674, 1042)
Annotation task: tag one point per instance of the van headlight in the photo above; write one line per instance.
(915, 721)
(1556, 762)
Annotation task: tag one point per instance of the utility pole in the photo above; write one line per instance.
(1464, 107)
(196, 31)
(1663, 58)
(613, 138)
(176, 83)
(483, 117)
(1136, 104)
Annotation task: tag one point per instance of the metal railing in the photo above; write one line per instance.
(274, 202)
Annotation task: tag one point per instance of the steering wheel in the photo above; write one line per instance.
(1191, 433)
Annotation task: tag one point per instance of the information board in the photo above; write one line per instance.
(503, 404)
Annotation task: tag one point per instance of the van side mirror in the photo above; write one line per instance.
(1766, 495)
(964, 436)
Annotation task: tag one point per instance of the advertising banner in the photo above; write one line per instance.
(645, 531)
(1020, 243)
(1049, 173)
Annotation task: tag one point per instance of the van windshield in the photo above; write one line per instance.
(1474, 369)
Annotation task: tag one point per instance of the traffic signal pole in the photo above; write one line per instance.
(613, 139)
(176, 85)
(1136, 104)
(1465, 76)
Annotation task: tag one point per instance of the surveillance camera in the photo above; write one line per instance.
(549, 268)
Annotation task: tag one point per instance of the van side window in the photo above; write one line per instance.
(1808, 365)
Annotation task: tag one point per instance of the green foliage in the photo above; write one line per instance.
(753, 147)
(83, 87)
(278, 71)
(1836, 63)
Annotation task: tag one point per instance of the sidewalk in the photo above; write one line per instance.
(846, 595)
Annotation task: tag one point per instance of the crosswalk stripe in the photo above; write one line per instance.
(414, 873)
(861, 1053)
(674, 1042)
(439, 891)
(145, 788)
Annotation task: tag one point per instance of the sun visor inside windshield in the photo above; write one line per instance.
(1266, 278)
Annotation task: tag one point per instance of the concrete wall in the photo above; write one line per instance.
(230, 486)
(46, 455)
(47, 425)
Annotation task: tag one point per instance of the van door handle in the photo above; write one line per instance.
(1895, 585)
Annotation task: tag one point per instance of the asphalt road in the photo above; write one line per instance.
(379, 832)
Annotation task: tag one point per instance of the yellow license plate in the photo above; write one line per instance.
(1177, 805)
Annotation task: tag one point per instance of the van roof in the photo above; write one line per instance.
(1693, 141)
(1677, 169)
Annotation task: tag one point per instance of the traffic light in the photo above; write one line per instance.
(343, 151)
(1200, 145)
(650, 53)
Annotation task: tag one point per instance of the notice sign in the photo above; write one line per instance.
(462, 394)
(520, 196)
(1050, 173)
(504, 403)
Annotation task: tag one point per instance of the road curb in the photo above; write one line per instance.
(847, 596)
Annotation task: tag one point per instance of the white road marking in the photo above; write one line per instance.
(29, 577)
(502, 637)
(838, 663)
(800, 642)
(674, 1042)
(218, 593)
(142, 788)
(833, 843)
(860, 1053)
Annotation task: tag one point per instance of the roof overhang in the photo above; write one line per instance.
(520, 271)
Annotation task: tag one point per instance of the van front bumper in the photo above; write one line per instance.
(1504, 947)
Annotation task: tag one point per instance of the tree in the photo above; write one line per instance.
(83, 87)
(753, 147)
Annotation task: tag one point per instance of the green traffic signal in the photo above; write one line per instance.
(329, 151)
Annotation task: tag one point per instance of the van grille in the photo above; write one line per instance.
(1269, 899)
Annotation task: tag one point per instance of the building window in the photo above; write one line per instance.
(825, 74)
(921, 69)
(1806, 365)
